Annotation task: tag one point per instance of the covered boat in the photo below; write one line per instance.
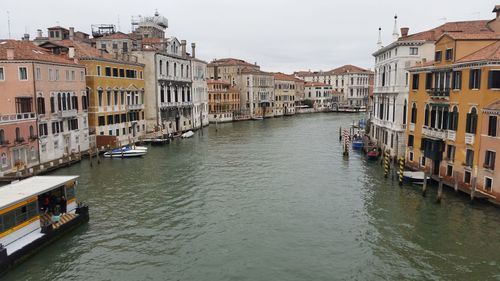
(187, 134)
(414, 177)
(34, 212)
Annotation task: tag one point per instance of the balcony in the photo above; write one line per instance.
(451, 135)
(164, 105)
(17, 117)
(19, 140)
(440, 93)
(135, 106)
(389, 125)
(69, 113)
(434, 133)
(4, 143)
(469, 138)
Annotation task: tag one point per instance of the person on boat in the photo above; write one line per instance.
(63, 204)
(46, 203)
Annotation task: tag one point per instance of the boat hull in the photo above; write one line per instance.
(125, 154)
(357, 145)
(8, 261)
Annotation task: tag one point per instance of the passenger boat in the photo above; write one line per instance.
(372, 155)
(34, 212)
(125, 152)
(187, 134)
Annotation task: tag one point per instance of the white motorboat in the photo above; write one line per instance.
(125, 152)
(414, 177)
(137, 147)
(187, 134)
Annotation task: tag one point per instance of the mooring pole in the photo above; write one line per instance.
(424, 186)
(473, 188)
(401, 169)
(386, 164)
(440, 189)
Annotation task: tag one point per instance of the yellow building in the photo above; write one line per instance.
(445, 109)
(223, 101)
(115, 87)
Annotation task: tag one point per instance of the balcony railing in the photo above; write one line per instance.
(176, 104)
(434, 133)
(135, 106)
(4, 143)
(451, 135)
(17, 117)
(439, 93)
(19, 140)
(69, 113)
(469, 138)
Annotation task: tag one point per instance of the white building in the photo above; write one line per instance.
(200, 90)
(390, 95)
(320, 94)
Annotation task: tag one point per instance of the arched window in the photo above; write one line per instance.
(2, 137)
(3, 159)
(169, 95)
(445, 118)
(471, 124)
(99, 97)
(453, 119)
(59, 102)
(162, 93)
(414, 113)
(68, 101)
(426, 115)
(32, 132)
(52, 104)
(175, 69)
(40, 105)
(18, 134)
(188, 94)
(183, 90)
(176, 91)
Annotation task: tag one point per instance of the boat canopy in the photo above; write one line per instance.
(22, 190)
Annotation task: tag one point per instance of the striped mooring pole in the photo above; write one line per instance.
(401, 169)
(386, 164)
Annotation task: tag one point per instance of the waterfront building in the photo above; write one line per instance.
(488, 178)
(319, 95)
(286, 90)
(224, 101)
(449, 101)
(200, 90)
(352, 81)
(257, 92)
(230, 71)
(51, 86)
(390, 93)
(115, 89)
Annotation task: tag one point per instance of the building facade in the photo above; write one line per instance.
(320, 94)
(286, 88)
(200, 90)
(53, 87)
(257, 92)
(224, 101)
(448, 101)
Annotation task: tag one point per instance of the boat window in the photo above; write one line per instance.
(70, 192)
(18, 216)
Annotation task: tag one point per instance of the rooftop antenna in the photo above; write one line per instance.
(8, 22)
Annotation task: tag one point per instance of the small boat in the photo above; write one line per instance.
(414, 177)
(157, 141)
(257, 118)
(35, 212)
(145, 148)
(357, 144)
(372, 155)
(187, 134)
(125, 152)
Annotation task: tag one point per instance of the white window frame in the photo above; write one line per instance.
(19, 73)
(38, 74)
(2, 78)
(491, 187)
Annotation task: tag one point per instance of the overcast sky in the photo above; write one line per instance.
(280, 35)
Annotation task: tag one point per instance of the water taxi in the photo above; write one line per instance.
(125, 152)
(34, 212)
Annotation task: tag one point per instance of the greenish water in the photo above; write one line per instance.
(265, 200)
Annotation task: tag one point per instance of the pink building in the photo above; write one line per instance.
(41, 106)
(488, 179)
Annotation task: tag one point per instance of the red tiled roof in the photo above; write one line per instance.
(151, 40)
(490, 52)
(253, 70)
(231, 62)
(25, 50)
(83, 50)
(473, 36)
(449, 27)
(117, 35)
(316, 84)
(349, 69)
(285, 77)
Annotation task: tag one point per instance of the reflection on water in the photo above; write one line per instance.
(265, 200)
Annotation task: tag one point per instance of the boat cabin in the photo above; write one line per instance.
(33, 208)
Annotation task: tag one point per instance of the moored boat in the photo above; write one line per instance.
(372, 155)
(34, 212)
(145, 148)
(125, 152)
(187, 134)
(357, 144)
(414, 177)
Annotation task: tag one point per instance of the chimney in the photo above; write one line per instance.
(71, 52)
(497, 10)
(183, 48)
(193, 50)
(39, 33)
(26, 37)
(404, 31)
(10, 53)
(71, 33)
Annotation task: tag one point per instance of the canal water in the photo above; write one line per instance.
(265, 200)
